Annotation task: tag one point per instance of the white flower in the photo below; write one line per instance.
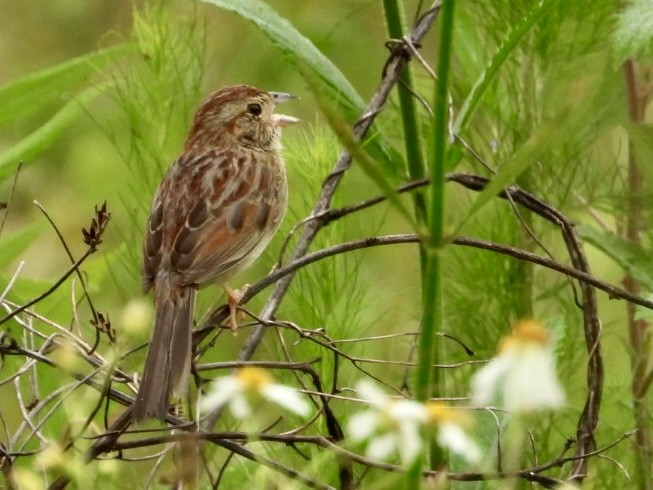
(388, 426)
(451, 434)
(521, 378)
(245, 386)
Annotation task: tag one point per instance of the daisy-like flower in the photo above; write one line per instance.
(522, 377)
(450, 424)
(388, 426)
(250, 385)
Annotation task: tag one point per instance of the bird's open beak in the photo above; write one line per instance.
(281, 119)
(280, 97)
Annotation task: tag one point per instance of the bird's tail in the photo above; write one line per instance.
(168, 360)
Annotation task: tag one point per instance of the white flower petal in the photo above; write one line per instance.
(486, 382)
(369, 392)
(454, 438)
(222, 390)
(380, 448)
(286, 397)
(532, 383)
(407, 410)
(362, 425)
(239, 406)
(410, 442)
(523, 374)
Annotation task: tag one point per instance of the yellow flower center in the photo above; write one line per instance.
(442, 414)
(524, 333)
(253, 378)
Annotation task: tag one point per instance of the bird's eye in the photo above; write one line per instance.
(254, 109)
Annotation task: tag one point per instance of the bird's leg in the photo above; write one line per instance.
(234, 297)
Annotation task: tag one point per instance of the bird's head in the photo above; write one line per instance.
(240, 114)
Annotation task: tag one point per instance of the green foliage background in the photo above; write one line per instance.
(547, 110)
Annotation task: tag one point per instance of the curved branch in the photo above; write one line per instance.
(589, 419)
(613, 291)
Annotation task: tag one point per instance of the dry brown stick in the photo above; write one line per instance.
(584, 277)
(532, 474)
(107, 443)
(633, 228)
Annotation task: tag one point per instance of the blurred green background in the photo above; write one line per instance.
(561, 90)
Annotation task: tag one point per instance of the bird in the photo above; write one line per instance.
(215, 211)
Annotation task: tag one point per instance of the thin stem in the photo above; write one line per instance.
(428, 382)
(412, 142)
(638, 329)
(432, 290)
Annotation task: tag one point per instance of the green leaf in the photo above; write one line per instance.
(357, 149)
(40, 140)
(584, 107)
(633, 259)
(12, 246)
(297, 49)
(25, 289)
(508, 45)
(29, 94)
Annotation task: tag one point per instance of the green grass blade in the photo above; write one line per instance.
(13, 245)
(41, 139)
(296, 48)
(489, 74)
(29, 94)
(631, 257)
(358, 151)
(302, 54)
(585, 109)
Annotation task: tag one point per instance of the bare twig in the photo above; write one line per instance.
(92, 237)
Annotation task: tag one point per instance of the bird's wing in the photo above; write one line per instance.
(226, 213)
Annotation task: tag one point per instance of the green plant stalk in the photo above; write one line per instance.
(427, 381)
(414, 163)
(432, 308)
(412, 142)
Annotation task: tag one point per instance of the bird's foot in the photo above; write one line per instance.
(233, 301)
